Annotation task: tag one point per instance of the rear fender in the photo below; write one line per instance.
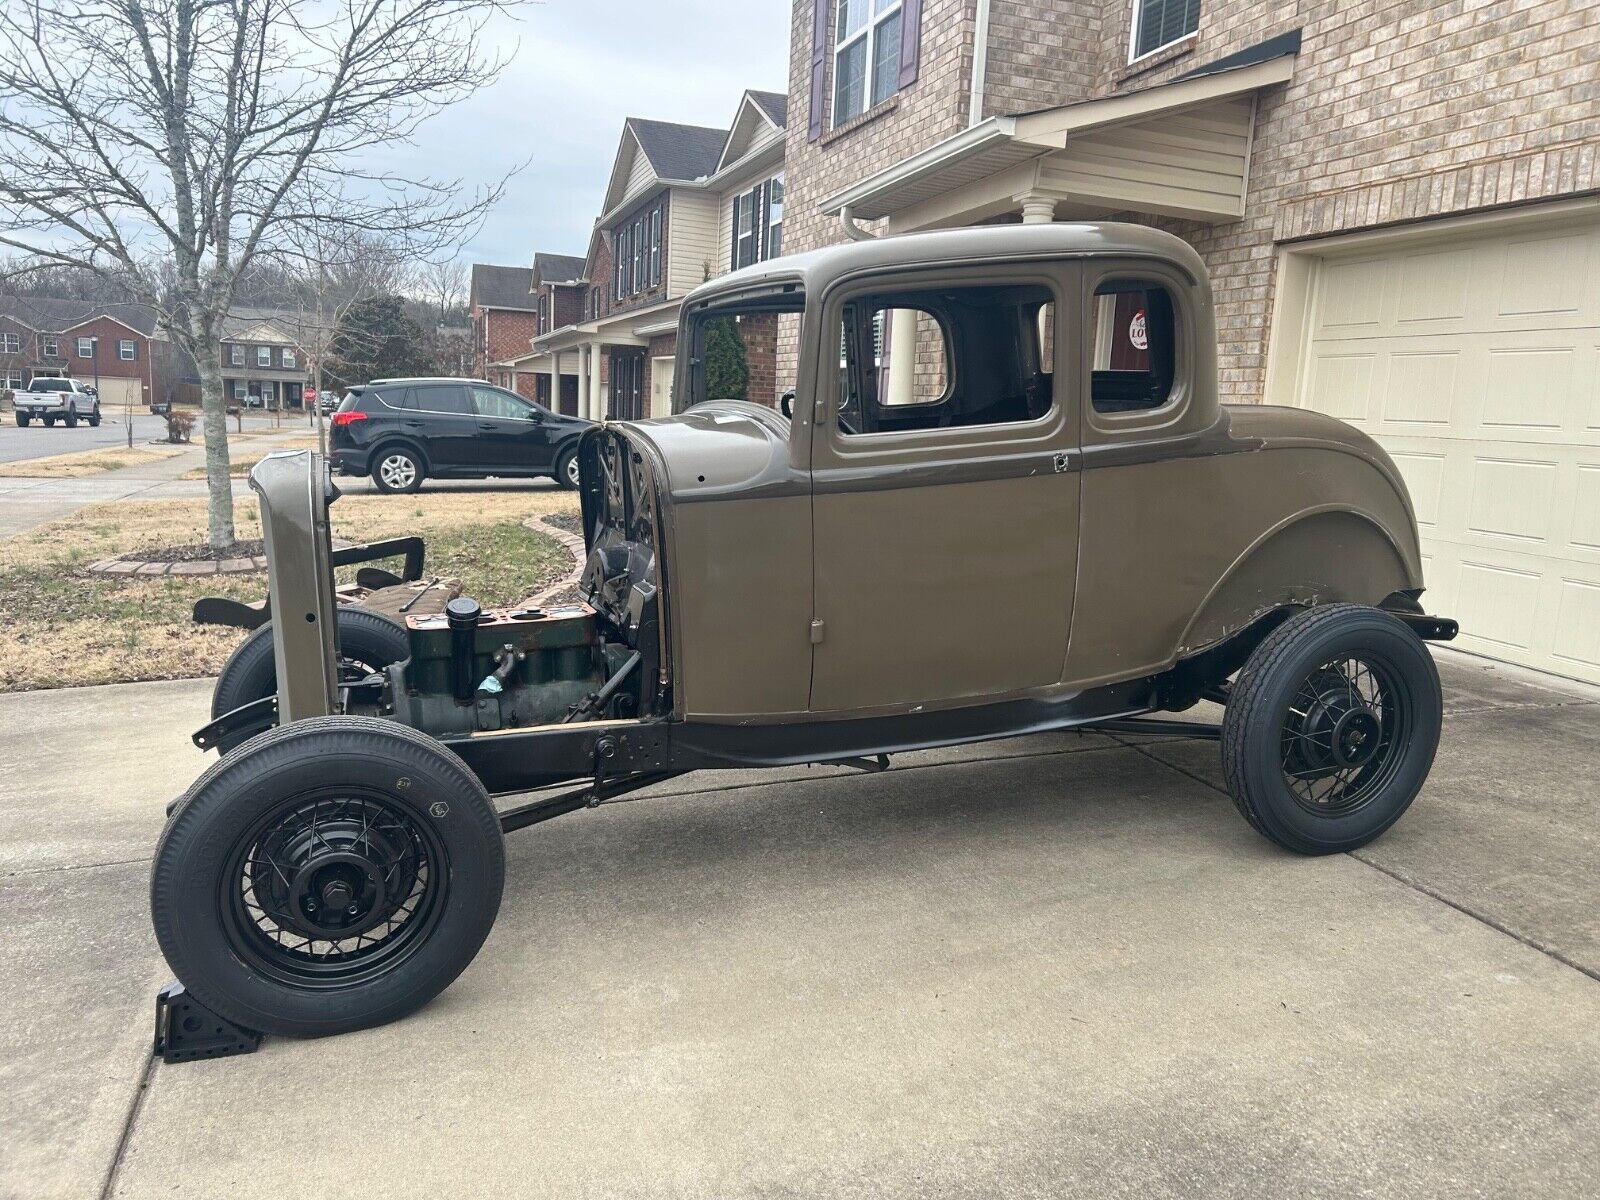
(1315, 557)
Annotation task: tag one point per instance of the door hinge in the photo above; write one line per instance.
(816, 633)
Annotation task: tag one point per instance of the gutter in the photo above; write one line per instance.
(980, 64)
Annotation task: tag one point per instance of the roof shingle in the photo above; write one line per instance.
(502, 287)
(679, 151)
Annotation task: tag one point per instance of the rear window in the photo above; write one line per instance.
(352, 401)
(441, 398)
(1135, 346)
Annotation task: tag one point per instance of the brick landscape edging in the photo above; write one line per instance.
(573, 544)
(208, 566)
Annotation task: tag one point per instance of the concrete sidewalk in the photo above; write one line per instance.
(1055, 966)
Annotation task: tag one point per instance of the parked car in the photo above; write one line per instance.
(402, 431)
(1032, 515)
(57, 398)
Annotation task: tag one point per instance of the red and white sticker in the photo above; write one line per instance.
(1136, 332)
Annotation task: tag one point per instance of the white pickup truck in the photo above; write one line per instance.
(50, 399)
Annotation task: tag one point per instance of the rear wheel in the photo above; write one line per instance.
(396, 469)
(22, 420)
(72, 417)
(49, 422)
(368, 642)
(1331, 728)
(337, 873)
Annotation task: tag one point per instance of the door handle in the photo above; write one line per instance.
(486, 425)
(412, 424)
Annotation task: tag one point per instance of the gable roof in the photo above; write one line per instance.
(758, 113)
(774, 104)
(46, 314)
(557, 268)
(678, 151)
(502, 287)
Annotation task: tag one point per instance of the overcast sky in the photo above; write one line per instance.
(579, 68)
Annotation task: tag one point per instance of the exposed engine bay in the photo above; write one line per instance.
(475, 670)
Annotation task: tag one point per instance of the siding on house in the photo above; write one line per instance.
(692, 241)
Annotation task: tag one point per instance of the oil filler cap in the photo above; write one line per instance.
(463, 612)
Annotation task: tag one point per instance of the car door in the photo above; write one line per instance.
(514, 435)
(444, 420)
(945, 487)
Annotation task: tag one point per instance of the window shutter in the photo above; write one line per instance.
(819, 60)
(733, 233)
(911, 40)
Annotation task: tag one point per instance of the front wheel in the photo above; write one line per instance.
(1331, 728)
(567, 475)
(94, 418)
(335, 874)
(397, 470)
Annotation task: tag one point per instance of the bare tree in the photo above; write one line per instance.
(168, 145)
(328, 269)
(443, 284)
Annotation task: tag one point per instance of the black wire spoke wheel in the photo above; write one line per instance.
(1343, 733)
(329, 875)
(333, 887)
(1331, 728)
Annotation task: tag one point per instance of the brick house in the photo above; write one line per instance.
(559, 292)
(1397, 204)
(117, 348)
(683, 203)
(504, 321)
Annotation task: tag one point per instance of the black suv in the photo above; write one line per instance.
(401, 431)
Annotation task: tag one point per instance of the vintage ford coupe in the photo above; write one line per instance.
(1001, 499)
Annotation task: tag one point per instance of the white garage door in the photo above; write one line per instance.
(1475, 360)
(116, 393)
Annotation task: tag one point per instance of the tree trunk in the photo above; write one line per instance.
(214, 410)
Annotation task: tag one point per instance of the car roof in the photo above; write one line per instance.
(425, 379)
(815, 270)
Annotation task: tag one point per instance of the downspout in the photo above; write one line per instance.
(852, 230)
(980, 63)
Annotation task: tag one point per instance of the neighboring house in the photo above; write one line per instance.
(262, 363)
(559, 292)
(504, 320)
(1397, 205)
(117, 348)
(684, 203)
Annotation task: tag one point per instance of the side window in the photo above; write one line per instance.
(400, 399)
(946, 358)
(443, 398)
(1134, 346)
(491, 402)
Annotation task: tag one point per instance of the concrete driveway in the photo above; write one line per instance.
(1055, 966)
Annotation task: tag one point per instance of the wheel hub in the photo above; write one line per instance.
(1356, 737)
(334, 879)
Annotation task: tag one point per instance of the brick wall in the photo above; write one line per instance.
(760, 334)
(508, 334)
(1397, 112)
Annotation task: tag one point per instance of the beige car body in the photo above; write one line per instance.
(811, 576)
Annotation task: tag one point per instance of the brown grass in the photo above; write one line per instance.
(84, 462)
(61, 626)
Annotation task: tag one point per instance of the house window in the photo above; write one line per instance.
(263, 356)
(10, 343)
(12, 380)
(289, 359)
(85, 347)
(126, 350)
(624, 264)
(236, 355)
(655, 247)
(240, 391)
(638, 255)
(866, 56)
(594, 303)
(1158, 23)
(50, 347)
(758, 223)
(775, 216)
